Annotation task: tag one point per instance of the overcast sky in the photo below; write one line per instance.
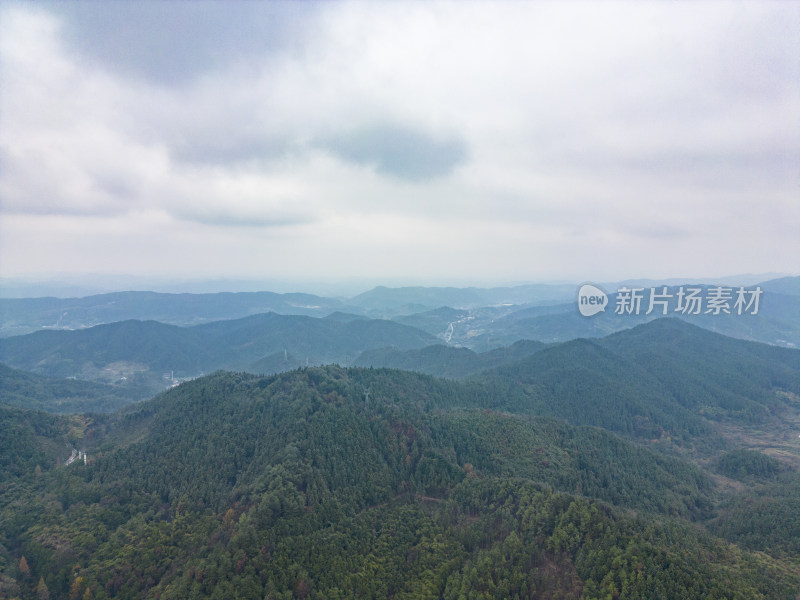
(414, 142)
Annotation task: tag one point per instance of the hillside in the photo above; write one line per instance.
(665, 380)
(446, 361)
(708, 372)
(33, 442)
(57, 395)
(331, 482)
(155, 352)
(658, 462)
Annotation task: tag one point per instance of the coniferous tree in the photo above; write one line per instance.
(41, 590)
(23, 567)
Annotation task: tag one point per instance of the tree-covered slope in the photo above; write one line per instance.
(349, 417)
(341, 483)
(121, 349)
(147, 343)
(707, 372)
(53, 394)
(446, 361)
(664, 379)
(32, 442)
(586, 384)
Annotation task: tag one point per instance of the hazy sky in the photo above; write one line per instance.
(468, 142)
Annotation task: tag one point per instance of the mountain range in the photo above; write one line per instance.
(152, 354)
(477, 318)
(659, 460)
(623, 466)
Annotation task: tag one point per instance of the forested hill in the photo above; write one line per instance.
(54, 394)
(710, 372)
(145, 350)
(341, 483)
(31, 443)
(664, 379)
(447, 361)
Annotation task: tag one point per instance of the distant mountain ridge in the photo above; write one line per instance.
(25, 315)
(154, 350)
(392, 302)
(777, 321)
(477, 318)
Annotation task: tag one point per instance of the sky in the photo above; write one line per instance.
(425, 143)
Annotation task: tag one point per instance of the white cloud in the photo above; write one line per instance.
(410, 138)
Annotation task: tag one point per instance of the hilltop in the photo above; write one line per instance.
(376, 482)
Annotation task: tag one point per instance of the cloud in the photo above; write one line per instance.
(164, 44)
(399, 151)
(79, 141)
(536, 135)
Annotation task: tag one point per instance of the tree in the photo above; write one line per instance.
(23, 567)
(41, 590)
(76, 589)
